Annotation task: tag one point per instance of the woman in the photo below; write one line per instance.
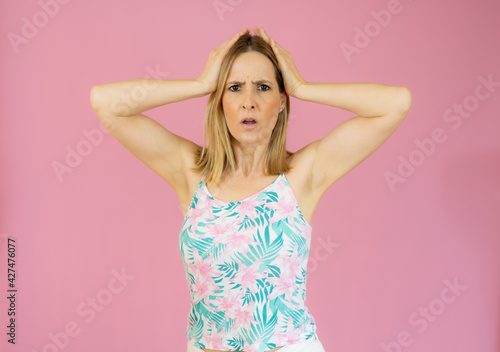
(248, 202)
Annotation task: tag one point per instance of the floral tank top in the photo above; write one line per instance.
(245, 265)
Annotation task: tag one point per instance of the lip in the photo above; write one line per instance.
(249, 127)
(248, 117)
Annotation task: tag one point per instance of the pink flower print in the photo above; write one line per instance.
(200, 291)
(295, 261)
(306, 231)
(248, 209)
(281, 187)
(219, 230)
(243, 315)
(201, 213)
(215, 339)
(285, 284)
(206, 271)
(247, 276)
(228, 303)
(283, 262)
(291, 335)
(204, 276)
(196, 258)
(294, 271)
(239, 241)
(290, 264)
(284, 210)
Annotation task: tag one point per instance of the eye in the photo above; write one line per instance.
(262, 87)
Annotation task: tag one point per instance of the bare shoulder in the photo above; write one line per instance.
(300, 177)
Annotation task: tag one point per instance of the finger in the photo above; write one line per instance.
(263, 34)
(275, 45)
(234, 38)
(270, 40)
(239, 34)
(268, 37)
(257, 31)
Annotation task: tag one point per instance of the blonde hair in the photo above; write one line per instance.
(217, 154)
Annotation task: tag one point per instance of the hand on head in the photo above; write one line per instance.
(210, 75)
(291, 77)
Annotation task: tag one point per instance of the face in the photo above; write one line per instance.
(251, 91)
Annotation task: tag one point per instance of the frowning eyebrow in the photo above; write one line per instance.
(261, 81)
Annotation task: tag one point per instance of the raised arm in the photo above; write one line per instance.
(120, 105)
(380, 108)
(131, 97)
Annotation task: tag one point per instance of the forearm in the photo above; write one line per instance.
(363, 99)
(130, 97)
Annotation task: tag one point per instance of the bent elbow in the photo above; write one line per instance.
(94, 97)
(95, 101)
(405, 100)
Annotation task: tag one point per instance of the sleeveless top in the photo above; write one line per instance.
(245, 265)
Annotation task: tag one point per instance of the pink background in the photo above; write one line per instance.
(381, 255)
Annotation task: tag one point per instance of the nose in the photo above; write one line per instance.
(248, 100)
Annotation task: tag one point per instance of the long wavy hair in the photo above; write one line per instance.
(217, 152)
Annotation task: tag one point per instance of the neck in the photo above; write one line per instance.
(250, 159)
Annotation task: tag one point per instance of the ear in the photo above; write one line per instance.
(283, 100)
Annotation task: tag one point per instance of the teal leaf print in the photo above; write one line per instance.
(282, 307)
(229, 269)
(273, 196)
(261, 295)
(266, 326)
(275, 271)
(266, 250)
(196, 330)
(253, 286)
(246, 223)
(206, 247)
(236, 344)
(219, 318)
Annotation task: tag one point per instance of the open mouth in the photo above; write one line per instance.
(249, 122)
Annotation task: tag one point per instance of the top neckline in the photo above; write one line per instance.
(205, 187)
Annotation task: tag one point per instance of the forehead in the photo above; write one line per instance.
(252, 65)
